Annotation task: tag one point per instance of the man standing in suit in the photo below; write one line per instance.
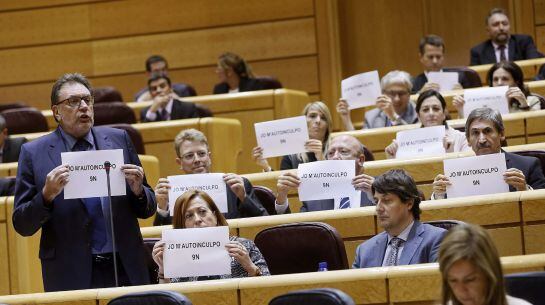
(405, 240)
(485, 133)
(343, 147)
(193, 154)
(9, 147)
(432, 55)
(166, 105)
(502, 46)
(76, 248)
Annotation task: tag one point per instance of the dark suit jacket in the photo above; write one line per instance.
(251, 206)
(421, 247)
(180, 89)
(65, 245)
(292, 161)
(420, 80)
(180, 110)
(520, 47)
(246, 84)
(12, 148)
(530, 167)
(329, 204)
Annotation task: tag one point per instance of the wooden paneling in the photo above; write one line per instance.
(540, 38)
(6, 5)
(539, 12)
(534, 238)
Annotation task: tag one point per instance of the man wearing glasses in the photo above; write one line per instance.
(193, 154)
(76, 243)
(343, 147)
(166, 104)
(393, 107)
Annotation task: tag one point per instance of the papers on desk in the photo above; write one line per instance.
(420, 142)
(196, 252)
(282, 137)
(87, 176)
(212, 184)
(445, 80)
(492, 97)
(361, 90)
(326, 179)
(479, 175)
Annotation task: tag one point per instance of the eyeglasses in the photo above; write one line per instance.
(392, 94)
(75, 101)
(191, 156)
(345, 153)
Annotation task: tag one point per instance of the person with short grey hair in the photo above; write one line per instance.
(393, 107)
(485, 133)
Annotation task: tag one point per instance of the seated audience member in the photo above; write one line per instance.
(393, 106)
(9, 147)
(471, 269)
(484, 132)
(431, 109)
(541, 73)
(319, 125)
(195, 209)
(7, 186)
(194, 158)
(343, 147)
(166, 105)
(157, 64)
(405, 240)
(507, 73)
(235, 75)
(432, 54)
(502, 46)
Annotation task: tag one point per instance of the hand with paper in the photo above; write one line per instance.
(55, 181)
(236, 184)
(257, 156)
(385, 103)
(134, 175)
(429, 86)
(514, 93)
(439, 186)
(344, 112)
(161, 193)
(315, 146)
(286, 182)
(458, 103)
(515, 178)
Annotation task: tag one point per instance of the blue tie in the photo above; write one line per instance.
(94, 209)
(345, 203)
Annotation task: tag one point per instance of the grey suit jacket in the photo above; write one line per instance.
(421, 247)
(375, 118)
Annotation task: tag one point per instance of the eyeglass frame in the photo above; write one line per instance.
(190, 156)
(89, 103)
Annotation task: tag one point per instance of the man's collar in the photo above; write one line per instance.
(404, 234)
(70, 141)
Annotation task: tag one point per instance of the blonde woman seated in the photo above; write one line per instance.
(471, 269)
(319, 125)
(195, 209)
(506, 73)
(431, 110)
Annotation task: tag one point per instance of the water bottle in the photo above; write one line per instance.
(322, 266)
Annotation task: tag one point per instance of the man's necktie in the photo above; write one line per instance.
(164, 115)
(502, 53)
(395, 243)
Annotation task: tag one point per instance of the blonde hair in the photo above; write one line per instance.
(472, 243)
(322, 107)
(188, 135)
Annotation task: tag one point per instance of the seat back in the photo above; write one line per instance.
(445, 224)
(368, 154)
(473, 78)
(25, 120)
(107, 94)
(299, 247)
(320, 296)
(269, 82)
(113, 113)
(153, 269)
(266, 197)
(157, 297)
(539, 154)
(12, 106)
(135, 136)
(203, 111)
(529, 286)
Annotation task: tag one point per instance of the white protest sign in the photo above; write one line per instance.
(478, 175)
(87, 177)
(282, 137)
(326, 179)
(445, 80)
(361, 90)
(493, 97)
(419, 142)
(196, 252)
(212, 184)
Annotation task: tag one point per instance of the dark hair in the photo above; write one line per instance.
(431, 93)
(183, 202)
(157, 76)
(514, 70)
(494, 11)
(487, 114)
(399, 183)
(432, 40)
(237, 63)
(2, 123)
(68, 78)
(153, 59)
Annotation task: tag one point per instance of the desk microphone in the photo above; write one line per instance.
(107, 166)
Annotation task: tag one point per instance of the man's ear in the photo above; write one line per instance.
(179, 161)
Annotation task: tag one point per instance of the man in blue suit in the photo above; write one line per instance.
(76, 248)
(405, 240)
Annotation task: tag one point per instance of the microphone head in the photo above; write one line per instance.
(107, 165)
